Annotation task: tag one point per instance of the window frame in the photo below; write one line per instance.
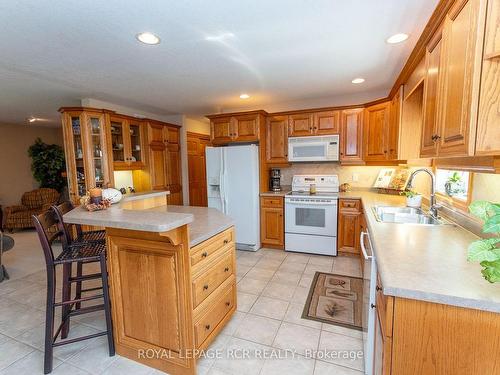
(453, 202)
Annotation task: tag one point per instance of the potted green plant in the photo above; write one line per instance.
(47, 164)
(454, 185)
(413, 199)
(487, 251)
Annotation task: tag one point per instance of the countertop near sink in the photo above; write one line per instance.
(284, 191)
(425, 262)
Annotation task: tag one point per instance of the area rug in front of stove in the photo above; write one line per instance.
(335, 299)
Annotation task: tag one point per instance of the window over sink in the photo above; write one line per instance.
(454, 187)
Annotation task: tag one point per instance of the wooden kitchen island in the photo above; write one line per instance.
(172, 278)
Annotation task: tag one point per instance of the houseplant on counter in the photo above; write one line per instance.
(413, 199)
(487, 251)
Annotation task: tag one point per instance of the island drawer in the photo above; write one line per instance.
(209, 281)
(219, 307)
(271, 202)
(206, 250)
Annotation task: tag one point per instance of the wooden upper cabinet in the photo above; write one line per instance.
(277, 140)
(456, 120)
(245, 128)
(375, 133)
(428, 143)
(351, 136)
(155, 133)
(300, 125)
(394, 126)
(488, 126)
(327, 122)
(127, 142)
(314, 123)
(221, 130)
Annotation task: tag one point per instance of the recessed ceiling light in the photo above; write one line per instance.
(148, 38)
(358, 80)
(397, 38)
(244, 96)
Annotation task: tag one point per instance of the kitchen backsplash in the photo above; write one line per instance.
(365, 176)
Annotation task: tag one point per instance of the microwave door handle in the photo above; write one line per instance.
(363, 249)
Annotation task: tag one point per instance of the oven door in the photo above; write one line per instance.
(308, 216)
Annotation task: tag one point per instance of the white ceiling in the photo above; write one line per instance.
(282, 52)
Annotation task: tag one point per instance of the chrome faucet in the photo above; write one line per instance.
(433, 210)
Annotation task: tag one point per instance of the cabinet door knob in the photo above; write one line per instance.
(378, 288)
(204, 254)
(205, 287)
(385, 151)
(228, 303)
(372, 306)
(207, 327)
(226, 269)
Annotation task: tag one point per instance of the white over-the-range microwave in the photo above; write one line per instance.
(317, 148)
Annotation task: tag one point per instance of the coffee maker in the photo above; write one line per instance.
(275, 180)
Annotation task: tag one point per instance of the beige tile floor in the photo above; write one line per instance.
(272, 289)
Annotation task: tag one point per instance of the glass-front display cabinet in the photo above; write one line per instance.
(127, 143)
(88, 164)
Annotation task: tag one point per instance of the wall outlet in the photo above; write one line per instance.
(355, 177)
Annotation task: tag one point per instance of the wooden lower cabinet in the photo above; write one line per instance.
(349, 221)
(418, 337)
(167, 297)
(272, 226)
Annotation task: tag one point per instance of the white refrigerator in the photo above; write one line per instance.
(233, 188)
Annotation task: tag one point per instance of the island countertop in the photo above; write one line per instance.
(426, 262)
(137, 212)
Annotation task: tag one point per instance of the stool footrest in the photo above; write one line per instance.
(86, 310)
(77, 339)
(91, 276)
(83, 299)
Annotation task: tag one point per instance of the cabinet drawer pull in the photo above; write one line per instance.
(228, 303)
(207, 327)
(226, 242)
(204, 254)
(205, 287)
(226, 269)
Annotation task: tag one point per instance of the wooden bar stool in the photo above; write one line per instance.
(71, 253)
(74, 234)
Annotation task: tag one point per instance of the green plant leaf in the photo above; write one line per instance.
(481, 209)
(491, 271)
(496, 208)
(484, 250)
(492, 225)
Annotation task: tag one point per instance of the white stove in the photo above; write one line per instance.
(311, 218)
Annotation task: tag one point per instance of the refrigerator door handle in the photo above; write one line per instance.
(224, 174)
(221, 180)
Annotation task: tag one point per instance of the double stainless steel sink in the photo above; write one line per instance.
(407, 215)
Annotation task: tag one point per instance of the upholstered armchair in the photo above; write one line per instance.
(32, 203)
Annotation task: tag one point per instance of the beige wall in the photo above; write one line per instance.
(194, 125)
(486, 186)
(366, 176)
(15, 164)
